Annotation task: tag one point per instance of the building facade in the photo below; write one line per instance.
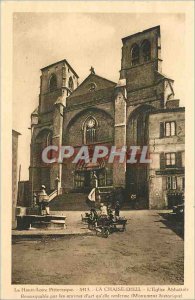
(167, 150)
(15, 135)
(102, 112)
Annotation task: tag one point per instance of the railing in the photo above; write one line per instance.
(105, 189)
(100, 194)
(53, 195)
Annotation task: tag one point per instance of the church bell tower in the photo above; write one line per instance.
(57, 82)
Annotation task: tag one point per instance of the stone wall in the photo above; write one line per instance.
(104, 131)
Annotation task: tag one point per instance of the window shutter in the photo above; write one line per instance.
(175, 128)
(162, 160)
(161, 130)
(179, 159)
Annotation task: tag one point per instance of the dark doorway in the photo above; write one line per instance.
(137, 174)
(85, 180)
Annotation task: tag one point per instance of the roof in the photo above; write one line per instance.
(35, 112)
(16, 132)
(91, 76)
(166, 110)
(163, 76)
(141, 32)
(61, 61)
(99, 95)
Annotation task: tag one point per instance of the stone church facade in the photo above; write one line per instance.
(139, 110)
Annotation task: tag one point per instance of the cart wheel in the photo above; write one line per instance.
(105, 232)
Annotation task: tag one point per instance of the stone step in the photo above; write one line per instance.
(69, 202)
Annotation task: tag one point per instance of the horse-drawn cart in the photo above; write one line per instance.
(104, 225)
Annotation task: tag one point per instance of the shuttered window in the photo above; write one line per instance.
(171, 183)
(170, 128)
(183, 183)
(179, 159)
(162, 160)
(161, 130)
(170, 159)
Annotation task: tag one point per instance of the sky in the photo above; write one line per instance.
(85, 40)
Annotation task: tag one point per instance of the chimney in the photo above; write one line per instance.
(172, 103)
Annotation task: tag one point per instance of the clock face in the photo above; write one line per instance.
(91, 123)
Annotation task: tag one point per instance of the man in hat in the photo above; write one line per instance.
(43, 201)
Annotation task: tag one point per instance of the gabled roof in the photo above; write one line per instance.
(100, 82)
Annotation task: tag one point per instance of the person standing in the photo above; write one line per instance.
(43, 201)
(117, 209)
(57, 183)
(103, 210)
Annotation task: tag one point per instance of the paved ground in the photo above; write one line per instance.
(149, 252)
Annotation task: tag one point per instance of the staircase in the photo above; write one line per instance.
(69, 201)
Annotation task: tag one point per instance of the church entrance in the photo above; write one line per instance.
(86, 180)
(137, 174)
(88, 176)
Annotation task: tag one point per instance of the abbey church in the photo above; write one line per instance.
(139, 110)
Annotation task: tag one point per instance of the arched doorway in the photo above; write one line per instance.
(137, 174)
(89, 175)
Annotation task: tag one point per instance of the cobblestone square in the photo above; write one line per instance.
(149, 252)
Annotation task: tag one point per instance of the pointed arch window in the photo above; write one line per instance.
(90, 127)
(146, 50)
(71, 84)
(53, 83)
(135, 55)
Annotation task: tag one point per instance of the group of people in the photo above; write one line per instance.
(105, 212)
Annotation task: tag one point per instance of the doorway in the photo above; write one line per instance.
(85, 180)
(137, 174)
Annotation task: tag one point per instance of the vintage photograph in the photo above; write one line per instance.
(98, 148)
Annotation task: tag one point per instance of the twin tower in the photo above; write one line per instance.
(99, 111)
